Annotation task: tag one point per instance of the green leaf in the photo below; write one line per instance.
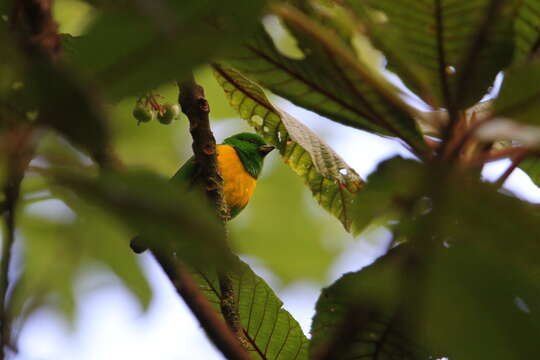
(519, 95)
(483, 282)
(57, 252)
(281, 191)
(463, 286)
(448, 52)
(527, 30)
(65, 105)
(46, 272)
(135, 48)
(271, 332)
(356, 317)
(531, 166)
(330, 179)
(392, 191)
(155, 209)
(355, 96)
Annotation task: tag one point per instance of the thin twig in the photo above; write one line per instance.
(460, 140)
(515, 163)
(18, 148)
(11, 192)
(495, 155)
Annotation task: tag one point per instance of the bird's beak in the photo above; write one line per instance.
(265, 149)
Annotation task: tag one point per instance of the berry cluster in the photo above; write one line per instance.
(148, 108)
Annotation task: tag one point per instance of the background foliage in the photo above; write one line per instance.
(461, 276)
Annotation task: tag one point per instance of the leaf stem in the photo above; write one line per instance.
(515, 163)
(495, 155)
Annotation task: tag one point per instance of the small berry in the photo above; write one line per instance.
(143, 114)
(170, 113)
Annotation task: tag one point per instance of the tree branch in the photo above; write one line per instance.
(513, 166)
(494, 155)
(216, 329)
(197, 110)
(18, 149)
(11, 193)
(38, 32)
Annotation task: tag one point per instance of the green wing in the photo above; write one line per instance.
(185, 176)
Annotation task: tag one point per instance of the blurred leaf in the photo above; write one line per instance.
(531, 166)
(5, 7)
(483, 282)
(527, 30)
(392, 191)
(457, 303)
(519, 95)
(330, 179)
(72, 16)
(447, 52)
(104, 240)
(52, 262)
(463, 287)
(271, 332)
(355, 96)
(356, 316)
(155, 209)
(68, 107)
(132, 49)
(56, 253)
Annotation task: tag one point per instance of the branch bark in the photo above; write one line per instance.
(38, 32)
(216, 329)
(197, 110)
(33, 23)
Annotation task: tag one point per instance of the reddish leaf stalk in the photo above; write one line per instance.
(515, 163)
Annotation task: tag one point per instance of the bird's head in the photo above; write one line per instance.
(251, 148)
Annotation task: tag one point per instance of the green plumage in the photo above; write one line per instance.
(247, 146)
(250, 148)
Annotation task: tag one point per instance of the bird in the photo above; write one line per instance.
(240, 160)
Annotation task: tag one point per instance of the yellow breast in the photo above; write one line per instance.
(238, 185)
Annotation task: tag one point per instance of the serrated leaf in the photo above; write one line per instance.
(271, 332)
(448, 52)
(527, 30)
(332, 182)
(355, 96)
(132, 49)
